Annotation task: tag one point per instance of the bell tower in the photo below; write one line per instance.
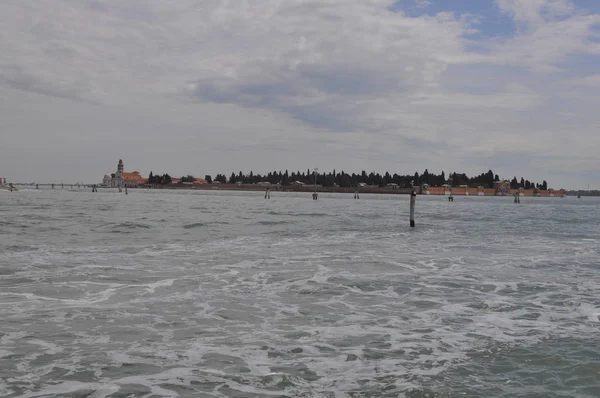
(120, 166)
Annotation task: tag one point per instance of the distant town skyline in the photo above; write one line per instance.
(207, 87)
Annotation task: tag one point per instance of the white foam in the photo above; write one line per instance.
(5, 353)
(162, 283)
(590, 312)
(66, 387)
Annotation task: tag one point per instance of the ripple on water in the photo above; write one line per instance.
(283, 300)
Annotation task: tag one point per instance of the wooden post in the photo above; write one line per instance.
(413, 196)
(315, 194)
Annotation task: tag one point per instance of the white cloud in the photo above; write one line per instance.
(587, 81)
(422, 3)
(548, 32)
(536, 12)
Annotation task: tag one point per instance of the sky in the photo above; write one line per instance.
(219, 86)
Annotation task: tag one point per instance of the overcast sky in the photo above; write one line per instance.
(214, 86)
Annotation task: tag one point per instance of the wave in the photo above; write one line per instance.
(272, 222)
(204, 224)
(195, 225)
(124, 227)
(275, 213)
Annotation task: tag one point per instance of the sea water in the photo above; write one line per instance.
(164, 293)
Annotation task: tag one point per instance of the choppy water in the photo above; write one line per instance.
(216, 294)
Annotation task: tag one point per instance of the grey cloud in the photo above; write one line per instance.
(16, 77)
(320, 95)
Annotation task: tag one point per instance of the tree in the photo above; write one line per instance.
(489, 179)
(345, 181)
(188, 178)
(208, 179)
(166, 179)
(452, 179)
(232, 179)
(522, 184)
(544, 186)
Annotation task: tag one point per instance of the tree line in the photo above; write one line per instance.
(346, 180)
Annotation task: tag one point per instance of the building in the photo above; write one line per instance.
(133, 179)
(122, 179)
(117, 178)
(502, 188)
(107, 180)
(2, 180)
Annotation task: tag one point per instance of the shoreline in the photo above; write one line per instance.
(433, 191)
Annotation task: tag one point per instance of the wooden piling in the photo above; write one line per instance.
(413, 196)
(315, 195)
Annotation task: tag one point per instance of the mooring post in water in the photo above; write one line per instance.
(52, 186)
(62, 186)
(413, 196)
(37, 186)
(267, 193)
(126, 190)
(11, 187)
(315, 195)
(356, 195)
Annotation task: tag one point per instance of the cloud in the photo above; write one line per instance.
(528, 13)
(422, 3)
(587, 81)
(548, 32)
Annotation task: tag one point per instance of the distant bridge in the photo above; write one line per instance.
(53, 185)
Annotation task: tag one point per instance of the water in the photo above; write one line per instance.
(226, 294)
